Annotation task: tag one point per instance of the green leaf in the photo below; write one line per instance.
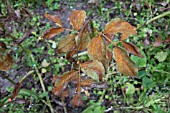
(141, 62)
(161, 56)
(130, 89)
(147, 82)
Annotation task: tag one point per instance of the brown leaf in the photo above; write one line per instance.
(15, 92)
(94, 69)
(158, 42)
(83, 38)
(119, 26)
(125, 65)
(77, 100)
(77, 19)
(6, 61)
(65, 94)
(3, 45)
(62, 82)
(97, 49)
(67, 44)
(132, 49)
(54, 18)
(52, 32)
(87, 82)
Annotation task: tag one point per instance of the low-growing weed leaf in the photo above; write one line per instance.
(131, 48)
(125, 65)
(97, 49)
(52, 32)
(119, 26)
(158, 42)
(83, 38)
(54, 18)
(161, 56)
(130, 89)
(94, 69)
(77, 19)
(6, 61)
(66, 44)
(62, 82)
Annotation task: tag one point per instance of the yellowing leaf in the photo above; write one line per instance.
(6, 61)
(52, 32)
(62, 82)
(119, 26)
(132, 49)
(67, 44)
(94, 69)
(125, 65)
(77, 19)
(97, 49)
(54, 18)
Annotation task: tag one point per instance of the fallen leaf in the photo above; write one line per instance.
(54, 18)
(52, 32)
(65, 94)
(87, 82)
(66, 44)
(125, 65)
(6, 61)
(158, 42)
(77, 19)
(131, 48)
(119, 26)
(94, 69)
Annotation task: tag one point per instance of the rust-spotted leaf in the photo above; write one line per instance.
(66, 44)
(54, 18)
(94, 69)
(125, 65)
(77, 19)
(97, 49)
(119, 26)
(52, 32)
(132, 49)
(6, 61)
(83, 38)
(62, 82)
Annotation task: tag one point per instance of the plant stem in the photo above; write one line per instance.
(153, 19)
(9, 79)
(23, 78)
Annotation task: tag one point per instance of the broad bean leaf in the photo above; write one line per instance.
(125, 65)
(77, 19)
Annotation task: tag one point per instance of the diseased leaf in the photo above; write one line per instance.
(132, 49)
(15, 92)
(87, 82)
(83, 38)
(66, 44)
(65, 94)
(6, 61)
(62, 82)
(125, 65)
(54, 18)
(77, 19)
(94, 69)
(52, 32)
(119, 26)
(97, 49)
(158, 42)
(77, 100)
